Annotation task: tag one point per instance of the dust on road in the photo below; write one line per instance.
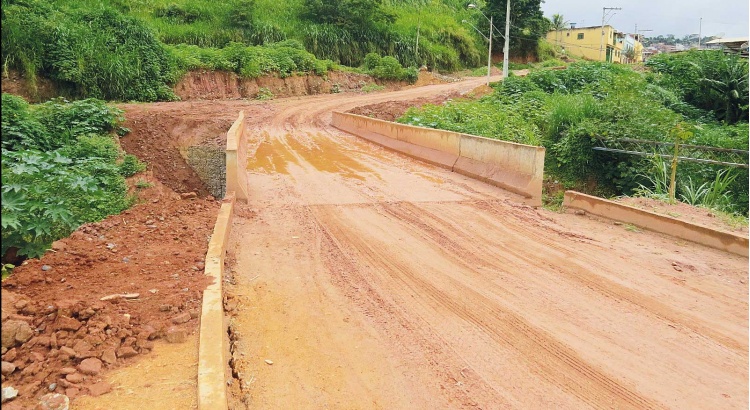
(370, 280)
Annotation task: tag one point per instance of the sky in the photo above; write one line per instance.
(725, 18)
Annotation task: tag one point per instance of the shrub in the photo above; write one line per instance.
(91, 53)
(372, 60)
(20, 129)
(284, 58)
(130, 166)
(568, 111)
(264, 94)
(707, 80)
(388, 68)
(59, 170)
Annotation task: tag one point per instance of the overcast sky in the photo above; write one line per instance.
(728, 18)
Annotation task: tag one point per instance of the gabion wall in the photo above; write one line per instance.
(210, 163)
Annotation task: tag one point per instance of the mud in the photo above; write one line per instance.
(371, 280)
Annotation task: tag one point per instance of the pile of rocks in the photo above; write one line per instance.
(63, 347)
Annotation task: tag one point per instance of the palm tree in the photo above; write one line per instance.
(558, 24)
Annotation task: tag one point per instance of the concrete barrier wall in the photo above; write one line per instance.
(236, 154)
(659, 223)
(516, 167)
(213, 349)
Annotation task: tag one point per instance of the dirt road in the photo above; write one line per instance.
(362, 279)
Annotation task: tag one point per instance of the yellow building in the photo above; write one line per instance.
(597, 43)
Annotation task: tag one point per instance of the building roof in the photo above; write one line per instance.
(738, 40)
(583, 28)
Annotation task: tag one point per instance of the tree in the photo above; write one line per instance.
(558, 24)
(527, 24)
(728, 85)
(630, 55)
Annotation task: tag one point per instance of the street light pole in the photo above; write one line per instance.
(506, 37)
(489, 54)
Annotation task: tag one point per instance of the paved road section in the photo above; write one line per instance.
(373, 281)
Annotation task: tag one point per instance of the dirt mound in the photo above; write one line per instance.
(430, 78)
(390, 110)
(41, 90)
(57, 333)
(210, 85)
(160, 134)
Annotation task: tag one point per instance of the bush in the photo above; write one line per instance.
(264, 94)
(90, 53)
(20, 129)
(372, 60)
(59, 170)
(130, 166)
(708, 80)
(388, 68)
(568, 111)
(283, 58)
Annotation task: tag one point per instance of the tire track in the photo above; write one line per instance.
(584, 273)
(560, 366)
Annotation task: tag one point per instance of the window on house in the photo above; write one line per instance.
(568, 34)
(580, 36)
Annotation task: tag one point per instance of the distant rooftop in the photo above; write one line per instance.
(739, 40)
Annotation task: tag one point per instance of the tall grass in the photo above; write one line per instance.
(94, 53)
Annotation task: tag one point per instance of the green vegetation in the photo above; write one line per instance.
(715, 83)
(284, 58)
(388, 68)
(372, 87)
(631, 228)
(143, 184)
(92, 52)
(566, 111)
(528, 24)
(61, 167)
(124, 50)
(264, 94)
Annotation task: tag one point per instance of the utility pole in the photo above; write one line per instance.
(700, 27)
(506, 48)
(604, 15)
(489, 53)
(419, 23)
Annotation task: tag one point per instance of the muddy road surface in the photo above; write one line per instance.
(363, 279)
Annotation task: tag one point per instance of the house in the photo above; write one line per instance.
(597, 43)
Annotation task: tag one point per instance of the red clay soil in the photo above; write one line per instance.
(157, 136)
(391, 110)
(56, 332)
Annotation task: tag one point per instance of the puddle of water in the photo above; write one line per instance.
(274, 155)
(327, 156)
